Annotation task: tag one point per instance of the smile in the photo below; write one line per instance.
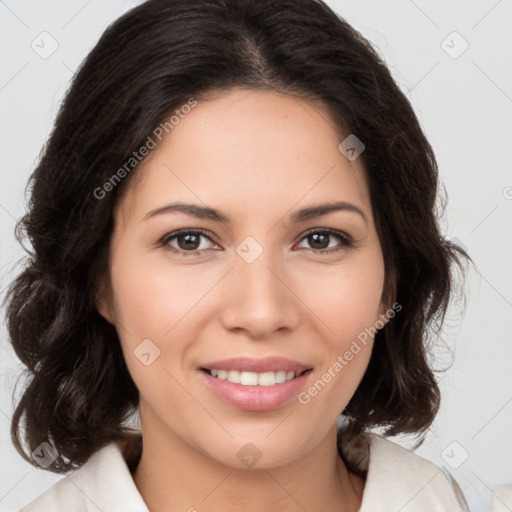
(256, 385)
(254, 378)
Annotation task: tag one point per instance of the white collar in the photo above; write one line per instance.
(397, 480)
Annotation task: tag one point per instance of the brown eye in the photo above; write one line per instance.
(187, 241)
(326, 241)
(319, 240)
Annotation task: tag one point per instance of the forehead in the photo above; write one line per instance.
(252, 150)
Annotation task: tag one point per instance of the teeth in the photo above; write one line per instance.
(267, 379)
(280, 377)
(233, 376)
(253, 378)
(249, 379)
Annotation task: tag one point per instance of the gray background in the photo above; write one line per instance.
(463, 98)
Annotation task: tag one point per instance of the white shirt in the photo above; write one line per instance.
(397, 480)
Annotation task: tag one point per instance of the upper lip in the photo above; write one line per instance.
(268, 364)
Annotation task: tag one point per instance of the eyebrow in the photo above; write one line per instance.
(205, 212)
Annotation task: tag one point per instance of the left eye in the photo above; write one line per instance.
(320, 240)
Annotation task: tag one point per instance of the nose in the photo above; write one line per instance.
(259, 299)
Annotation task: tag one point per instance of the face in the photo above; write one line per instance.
(244, 268)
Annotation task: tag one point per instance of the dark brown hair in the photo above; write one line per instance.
(149, 62)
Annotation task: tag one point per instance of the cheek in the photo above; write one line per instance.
(347, 345)
(152, 300)
(152, 304)
(148, 303)
(347, 299)
(347, 303)
(162, 302)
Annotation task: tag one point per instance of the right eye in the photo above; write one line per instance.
(187, 242)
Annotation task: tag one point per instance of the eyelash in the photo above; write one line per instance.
(346, 241)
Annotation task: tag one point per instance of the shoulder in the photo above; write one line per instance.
(399, 479)
(104, 482)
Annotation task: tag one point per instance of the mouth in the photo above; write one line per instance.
(255, 384)
(265, 379)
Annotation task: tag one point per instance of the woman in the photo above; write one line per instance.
(233, 236)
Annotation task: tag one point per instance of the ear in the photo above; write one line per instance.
(104, 299)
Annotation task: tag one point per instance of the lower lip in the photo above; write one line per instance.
(255, 398)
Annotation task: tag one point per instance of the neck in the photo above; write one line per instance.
(172, 476)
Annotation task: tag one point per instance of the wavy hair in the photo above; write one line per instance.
(79, 393)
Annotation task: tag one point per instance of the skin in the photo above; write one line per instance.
(257, 157)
